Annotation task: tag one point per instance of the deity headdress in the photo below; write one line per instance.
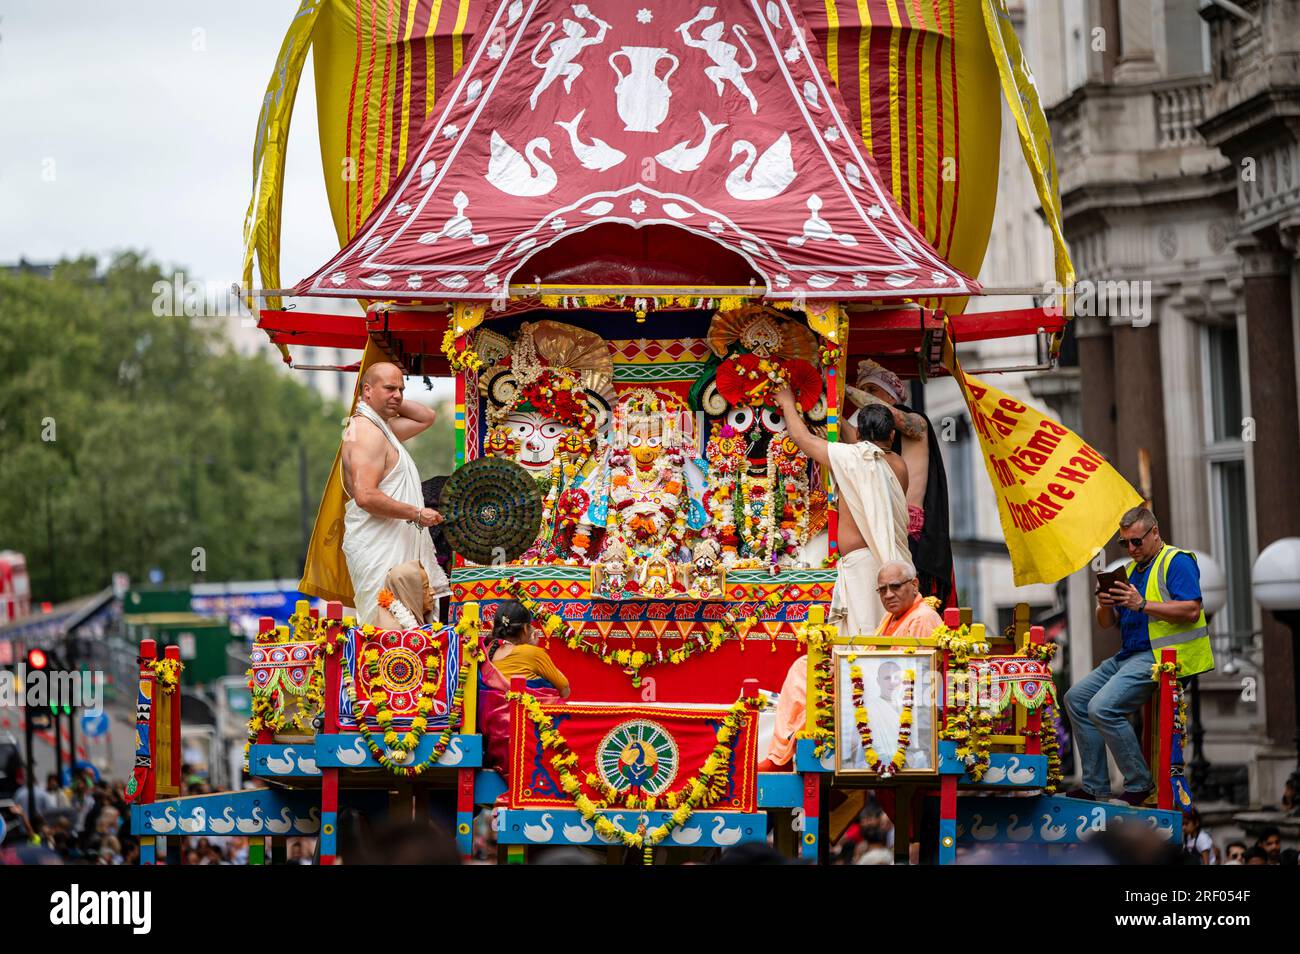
(645, 411)
(551, 368)
(755, 345)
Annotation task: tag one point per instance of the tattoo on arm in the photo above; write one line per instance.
(913, 426)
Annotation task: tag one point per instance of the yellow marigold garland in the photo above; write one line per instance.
(167, 673)
(406, 744)
(971, 728)
(632, 661)
(700, 791)
(817, 637)
(899, 759)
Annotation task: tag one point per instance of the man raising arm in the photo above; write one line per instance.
(385, 518)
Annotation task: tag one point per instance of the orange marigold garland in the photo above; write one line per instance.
(872, 758)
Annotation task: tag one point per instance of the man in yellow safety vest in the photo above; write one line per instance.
(1158, 608)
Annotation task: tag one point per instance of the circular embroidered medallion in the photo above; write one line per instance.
(638, 754)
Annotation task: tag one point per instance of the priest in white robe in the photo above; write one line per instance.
(385, 522)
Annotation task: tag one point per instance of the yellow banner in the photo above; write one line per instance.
(1035, 135)
(1058, 499)
(262, 221)
(325, 572)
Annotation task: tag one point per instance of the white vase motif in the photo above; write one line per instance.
(642, 95)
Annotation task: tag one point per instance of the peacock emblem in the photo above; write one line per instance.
(639, 755)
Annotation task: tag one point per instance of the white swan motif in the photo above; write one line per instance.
(1051, 832)
(281, 766)
(543, 832)
(253, 824)
(1081, 830)
(1166, 832)
(1016, 831)
(598, 156)
(309, 825)
(580, 833)
(722, 835)
(995, 773)
(617, 820)
(354, 754)
(524, 175)
(684, 157)
(281, 825)
(196, 822)
(307, 765)
(1017, 775)
(687, 836)
(223, 824)
(763, 177)
(453, 754)
(165, 822)
(980, 831)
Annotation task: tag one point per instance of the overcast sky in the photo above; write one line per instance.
(130, 125)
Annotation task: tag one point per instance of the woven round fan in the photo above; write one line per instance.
(492, 510)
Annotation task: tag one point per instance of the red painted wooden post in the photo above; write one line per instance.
(952, 617)
(1034, 720)
(329, 793)
(265, 624)
(149, 653)
(1164, 783)
(465, 805)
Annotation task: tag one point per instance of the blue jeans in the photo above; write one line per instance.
(1099, 706)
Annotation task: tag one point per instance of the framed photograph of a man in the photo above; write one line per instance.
(885, 712)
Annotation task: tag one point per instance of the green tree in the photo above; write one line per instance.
(130, 441)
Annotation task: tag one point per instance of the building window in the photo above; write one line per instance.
(1226, 461)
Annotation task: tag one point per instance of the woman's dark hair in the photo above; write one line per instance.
(511, 621)
(875, 422)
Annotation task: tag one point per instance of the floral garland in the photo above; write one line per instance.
(389, 601)
(399, 749)
(268, 707)
(971, 730)
(872, 758)
(759, 518)
(1050, 746)
(167, 674)
(818, 637)
(783, 527)
(459, 361)
(700, 791)
(632, 661)
(763, 377)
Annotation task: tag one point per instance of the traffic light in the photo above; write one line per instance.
(37, 660)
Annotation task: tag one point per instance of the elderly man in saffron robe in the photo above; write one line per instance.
(908, 613)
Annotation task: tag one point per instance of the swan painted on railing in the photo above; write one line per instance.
(224, 823)
(309, 825)
(195, 822)
(164, 822)
(1016, 831)
(1050, 832)
(543, 832)
(580, 833)
(354, 754)
(761, 177)
(980, 831)
(280, 766)
(307, 765)
(521, 175)
(254, 824)
(722, 835)
(686, 835)
(617, 820)
(281, 825)
(453, 753)
(1016, 775)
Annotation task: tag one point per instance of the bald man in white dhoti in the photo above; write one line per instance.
(385, 521)
(871, 484)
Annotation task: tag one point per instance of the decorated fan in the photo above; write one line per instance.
(492, 510)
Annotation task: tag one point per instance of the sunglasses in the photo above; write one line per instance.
(1134, 542)
(891, 587)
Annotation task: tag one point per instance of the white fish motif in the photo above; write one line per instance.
(597, 155)
(684, 157)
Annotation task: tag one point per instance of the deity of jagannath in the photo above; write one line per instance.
(647, 496)
(549, 395)
(763, 508)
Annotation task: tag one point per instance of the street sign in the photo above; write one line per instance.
(94, 724)
(121, 583)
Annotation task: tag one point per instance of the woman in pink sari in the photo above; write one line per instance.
(510, 653)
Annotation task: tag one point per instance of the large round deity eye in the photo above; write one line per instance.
(552, 430)
(522, 429)
(773, 420)
(634, 440)
(741, 418)
(654, 441)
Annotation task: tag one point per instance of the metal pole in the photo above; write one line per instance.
(31, 767)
